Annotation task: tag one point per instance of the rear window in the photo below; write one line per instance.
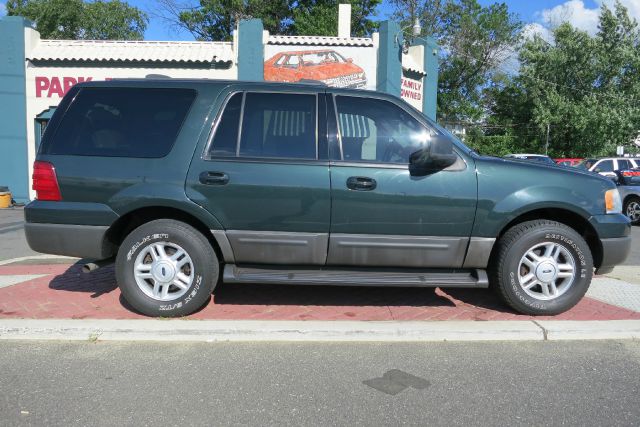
(121, 122)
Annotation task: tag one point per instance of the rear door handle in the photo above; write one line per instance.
(361, 183)
(214, 178)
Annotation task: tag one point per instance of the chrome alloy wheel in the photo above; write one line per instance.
(546, 271)
(163, 271)
(633, 211)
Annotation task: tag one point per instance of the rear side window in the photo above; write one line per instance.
(278, 125)
(121, 122)
(624, 164)
(273, 125)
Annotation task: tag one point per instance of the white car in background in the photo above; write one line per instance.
(628, 182)
(609, 165)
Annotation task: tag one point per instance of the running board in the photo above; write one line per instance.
(473, 278)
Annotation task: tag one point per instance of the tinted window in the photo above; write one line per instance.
(225, 139)
(373, 130)
(624, 164)
(604, 166)
(121, 122)
(279, 125)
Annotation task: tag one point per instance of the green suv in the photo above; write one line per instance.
(190, 182)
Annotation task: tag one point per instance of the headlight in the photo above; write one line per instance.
(612, 201)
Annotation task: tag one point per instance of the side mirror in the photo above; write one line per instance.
(349, 59)
(437, 156)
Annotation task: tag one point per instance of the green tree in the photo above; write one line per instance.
(320, 17)
(585, 88)
(475, 41)
(77, 19)
(216, 19)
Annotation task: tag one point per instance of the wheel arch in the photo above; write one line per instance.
(564, 216)
(630, 197)
(133, 219)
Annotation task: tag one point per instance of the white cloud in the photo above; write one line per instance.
(535, 29)
(577, 14)
(3, 9)
(574, 12)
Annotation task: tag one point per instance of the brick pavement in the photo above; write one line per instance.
(65, 292)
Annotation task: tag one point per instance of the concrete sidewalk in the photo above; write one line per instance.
(57, 301)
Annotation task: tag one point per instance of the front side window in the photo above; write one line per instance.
(121, 122)
(374, 130)
(293, 61)
(279, 125)
(604, 166)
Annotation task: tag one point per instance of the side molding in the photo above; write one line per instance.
(479, 252)
(277, 247)
(375, 250)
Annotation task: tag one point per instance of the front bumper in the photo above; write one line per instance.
(82, 241)
(614, 252)
(614, 232)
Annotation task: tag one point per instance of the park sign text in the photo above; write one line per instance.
(57, 86)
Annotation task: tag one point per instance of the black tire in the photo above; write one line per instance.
(627, 204)
(203, 269)
(506, 267)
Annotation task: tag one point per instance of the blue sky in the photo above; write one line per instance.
(530, 11)
(540, 13)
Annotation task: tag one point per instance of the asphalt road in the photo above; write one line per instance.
(502, 383)
(12, 241)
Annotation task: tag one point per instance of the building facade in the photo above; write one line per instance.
(37, 73)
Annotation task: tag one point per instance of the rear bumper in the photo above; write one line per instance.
(82, 241)
(614, 252)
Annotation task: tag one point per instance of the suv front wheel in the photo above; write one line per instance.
(166, 268)
(632, 210)
(542, 267)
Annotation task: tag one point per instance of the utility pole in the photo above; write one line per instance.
(546, 145)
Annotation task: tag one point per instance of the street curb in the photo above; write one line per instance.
(327, 331)
(592, 329)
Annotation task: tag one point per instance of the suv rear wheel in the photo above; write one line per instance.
(166, 268)
(542, 267)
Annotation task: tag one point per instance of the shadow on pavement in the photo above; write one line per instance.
(102, 281)
(99, 282)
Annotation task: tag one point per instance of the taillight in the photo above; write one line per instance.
(45, 182)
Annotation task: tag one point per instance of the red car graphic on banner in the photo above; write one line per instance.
(326, 66)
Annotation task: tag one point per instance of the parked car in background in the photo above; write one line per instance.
(324, 65)
(629, 186)
(609, 165)
(567, 161)
(532, 157)
(257, 182)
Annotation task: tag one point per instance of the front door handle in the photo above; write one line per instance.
(214, 178)
(361, 183)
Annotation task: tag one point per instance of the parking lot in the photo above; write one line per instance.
(42, 287)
